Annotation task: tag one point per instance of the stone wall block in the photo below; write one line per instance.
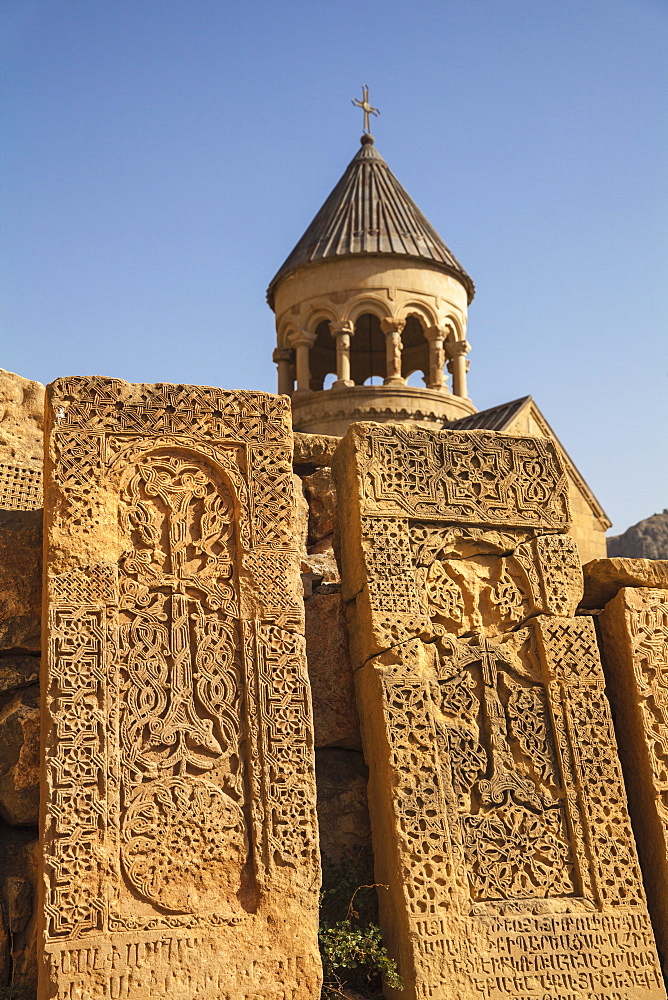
(20, 579)
(343, 812)
(21, 894)
(21, 443)
(335, 717)
(18, 672)
(19, 758)
(21, 420)
(301, 516)
(5, 949)
(604, 578)
(321, 494)
(18, 907)
(314, 449)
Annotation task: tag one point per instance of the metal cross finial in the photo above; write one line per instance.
(365, 106)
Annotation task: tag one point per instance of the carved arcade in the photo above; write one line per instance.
(180, 805)
(496, 796)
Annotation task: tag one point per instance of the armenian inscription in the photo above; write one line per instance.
(496, 797)
(180, 845)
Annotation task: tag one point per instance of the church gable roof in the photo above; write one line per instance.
(505, 417)
(496, 418)
(369, 212)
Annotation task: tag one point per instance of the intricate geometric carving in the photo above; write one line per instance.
(77, 818)
(196, 858)
(553, 565)
(96, 584)
(515, 854)
(179, 758)
(504, 771)
(285, 735)
(20, 487)
(273, 589)
(462, 477)
(391, 587)
(180, 712)
(570, 650)
(489, 745)
(272, 493)
(561, 573)
(508, 598)
(427, 865)
(80, 466)
(648, 626)
(528, 718)
(196, 411)
(618, 876)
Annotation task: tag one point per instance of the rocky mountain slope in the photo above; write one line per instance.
(648, 539)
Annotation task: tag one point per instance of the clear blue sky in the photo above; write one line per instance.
(161, 157)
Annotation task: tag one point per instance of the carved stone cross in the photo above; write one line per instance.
(365, 106)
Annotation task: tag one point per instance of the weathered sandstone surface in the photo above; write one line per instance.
(634, 634)
(180, 853)
(603, 578)
(496, 798)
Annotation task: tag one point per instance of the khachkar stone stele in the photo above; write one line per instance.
(498, 813)
(180, 844)
(634, 630)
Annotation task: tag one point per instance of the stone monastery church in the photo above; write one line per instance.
(311, 691)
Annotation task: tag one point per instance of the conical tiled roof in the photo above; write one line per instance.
(369, 212)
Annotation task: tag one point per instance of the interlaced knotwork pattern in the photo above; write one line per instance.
(20, 487)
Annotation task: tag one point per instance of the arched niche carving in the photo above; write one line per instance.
(181, 675)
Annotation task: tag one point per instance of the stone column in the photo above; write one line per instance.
(435, 378)
(458, 365)
(392, 329)
(303, 341)
(282, 358)
(342, 332)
